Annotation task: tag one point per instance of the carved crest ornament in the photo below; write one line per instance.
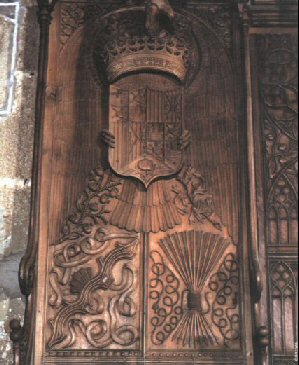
(147, 122)
(150, 121)
(144, 264)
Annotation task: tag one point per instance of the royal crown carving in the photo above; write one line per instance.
(127, 46)
(131, 54)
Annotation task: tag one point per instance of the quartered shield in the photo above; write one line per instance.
(147, 125)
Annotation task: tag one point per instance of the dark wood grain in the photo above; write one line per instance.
(154, 186)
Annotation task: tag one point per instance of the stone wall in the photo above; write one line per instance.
(18, 73)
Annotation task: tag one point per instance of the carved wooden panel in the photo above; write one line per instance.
(98, 279)
(143, 261)
(283, 277)
(91, 258)
(144, 266)
(278, 87)
(279, 98)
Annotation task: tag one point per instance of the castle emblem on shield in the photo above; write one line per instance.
(147, 125)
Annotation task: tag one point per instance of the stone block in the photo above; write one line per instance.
(8, 35)
(18, 73)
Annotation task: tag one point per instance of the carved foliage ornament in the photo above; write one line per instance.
(219, 17)
(87, 308)
(88, 297)
(84, 263)
(76, 15)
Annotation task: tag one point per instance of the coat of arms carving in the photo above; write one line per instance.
(147, 125)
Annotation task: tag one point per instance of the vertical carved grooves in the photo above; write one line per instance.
(211, 116)
(193, 330)
(195, 255)
(145, 211)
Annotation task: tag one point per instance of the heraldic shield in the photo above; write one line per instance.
(147, 125)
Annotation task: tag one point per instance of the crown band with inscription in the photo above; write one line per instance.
(146, 53)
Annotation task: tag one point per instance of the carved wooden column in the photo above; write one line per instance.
(23, 336)
(271, 46)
